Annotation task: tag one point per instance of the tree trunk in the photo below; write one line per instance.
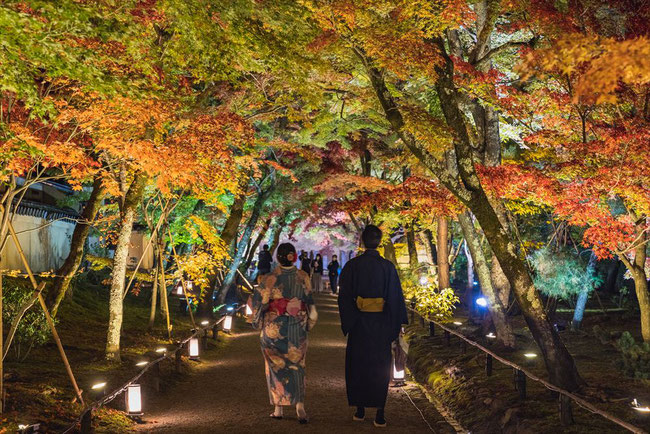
(69, 268)
(127, 217)
(239, 255)
(429, 247)
(583, 296)
(257, 242)
(229, 231)
(497, 309)
(277, 233)
(443, 253)
(637, 270)
(467, 188)
(389, 250)
(412, 246)
(154, 299)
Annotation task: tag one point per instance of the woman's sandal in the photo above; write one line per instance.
(273, 416)
(303, 421)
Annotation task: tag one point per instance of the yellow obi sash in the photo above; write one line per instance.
(370, 304)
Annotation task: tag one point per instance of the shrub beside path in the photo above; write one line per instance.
(229, 394)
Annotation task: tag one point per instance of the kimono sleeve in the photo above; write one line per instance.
(308, 299)
(396, 303)
(347, 305)
(261, 299)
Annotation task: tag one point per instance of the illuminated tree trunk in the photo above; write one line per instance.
(466, 186)
(497, 309)
(69, 268)
(257, 242)
(637, 270)
(277, 233)
(412, 247)
(443, 253)
(239, 255)
(583, 296)
(429, 247)
(128, 213)
(229, 230)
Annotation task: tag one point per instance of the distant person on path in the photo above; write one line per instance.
(283, 309)
(264, 260)
(372, 309)
(317, 273)
(333, 273)
(305, 263)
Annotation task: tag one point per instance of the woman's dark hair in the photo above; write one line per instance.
(371, 237)
(286, 254)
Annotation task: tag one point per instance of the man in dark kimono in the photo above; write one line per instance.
(264, 261)
(333, 273)
(372, 309)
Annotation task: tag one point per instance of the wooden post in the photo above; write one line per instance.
(215, 331)
(50, 323)
(488, 364)
(520, 383)
(87, 422)
(204, 339)
(566, 413)
(179, 360)
(432, 328)
(155, 377)
(448, 337)
(422, 321)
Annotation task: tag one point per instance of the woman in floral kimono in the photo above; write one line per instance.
(283, 308)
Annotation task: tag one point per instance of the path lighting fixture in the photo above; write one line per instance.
(161, 350)
(134, 400)
(458, 323)
(491, 336)
(26, 429)
(530, 355)
(194, 349)
(227, 323)
(190, 285)
(179, 289)
(98, 386)
(397, 375)
(482, 301)
(637, 407)
(205, 323)
(230, 308)
(249, 311)
(142, 363)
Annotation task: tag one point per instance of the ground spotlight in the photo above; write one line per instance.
(482, 301)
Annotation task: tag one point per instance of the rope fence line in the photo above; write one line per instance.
(519, 369)
(85, 418)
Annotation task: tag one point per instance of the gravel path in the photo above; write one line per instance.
(230, 395)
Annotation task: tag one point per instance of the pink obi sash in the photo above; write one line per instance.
(287, 306)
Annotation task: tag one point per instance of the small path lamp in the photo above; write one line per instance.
(134, 400)
(194, 349)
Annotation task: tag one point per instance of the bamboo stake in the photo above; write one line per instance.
(55, 335)
(163, 293)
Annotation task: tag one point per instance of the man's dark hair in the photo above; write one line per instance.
(334, 256)
(371, 237)
(265, 247)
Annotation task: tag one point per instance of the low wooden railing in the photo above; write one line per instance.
(520, 375)
(83, 423)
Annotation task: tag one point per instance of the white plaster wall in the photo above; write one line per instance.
(45, 245)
